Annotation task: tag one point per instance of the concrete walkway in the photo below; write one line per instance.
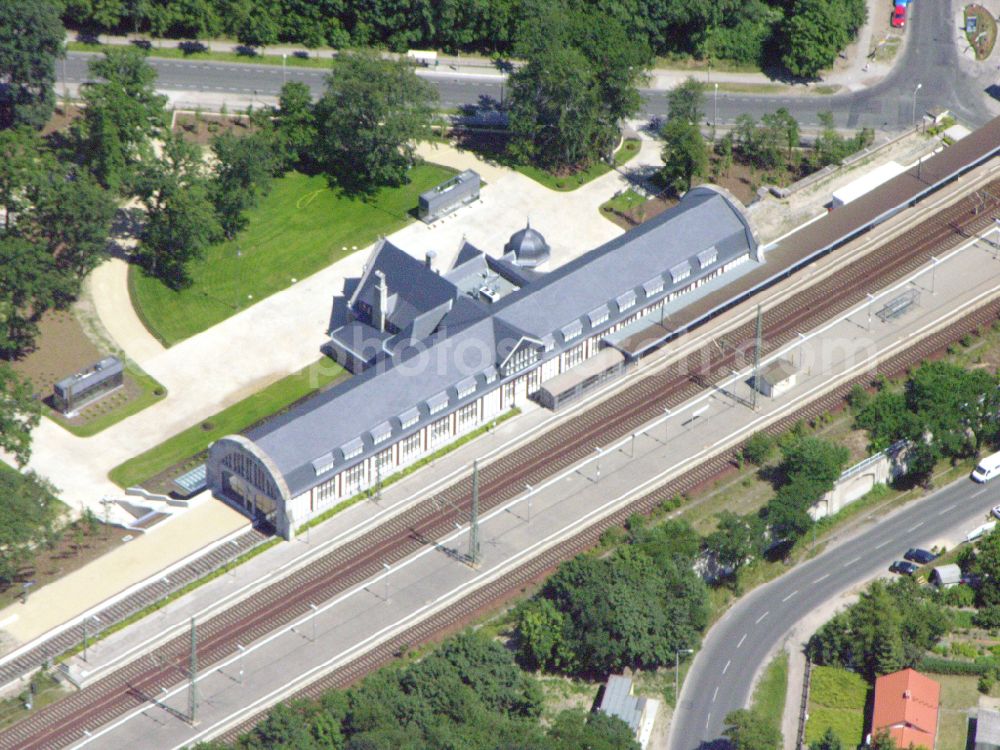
(107, 287)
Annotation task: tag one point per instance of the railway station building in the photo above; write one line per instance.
(438, 353)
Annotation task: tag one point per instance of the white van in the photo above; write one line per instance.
(988, 468)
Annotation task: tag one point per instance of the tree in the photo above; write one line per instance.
(369, 120)
(814, 32)
(759, 448)
(748, 730)
(555, 117)
(686, 102)
(573, 730)
(959, 407)
(31, 38)
(123, 113)
(685, 155)
(295, 122)
(540, 635)
(72, 215)
(785, 128)
(180, 219)
(829, 741)
(736, 539)
(20, 413)
(29, 513)
(29, 285)
(19, 162)
(831, 147)
(256, 26)
(243, 172)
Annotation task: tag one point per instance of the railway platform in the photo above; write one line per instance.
(374, 607)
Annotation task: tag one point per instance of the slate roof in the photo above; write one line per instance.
(438, 322)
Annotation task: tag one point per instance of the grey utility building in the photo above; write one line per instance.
(451, 194)
(89, 384)
(438, 354)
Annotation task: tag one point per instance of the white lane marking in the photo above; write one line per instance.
(790, 596)
(715, 694)
(761, 618)
(822, 578)
(707, 720)
(13, 618)
(981, 492)
(849, 563)
(880, 546)
(726, 668)
(741, 640)
(915, 526)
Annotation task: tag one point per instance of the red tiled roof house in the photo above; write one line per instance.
(906, 705)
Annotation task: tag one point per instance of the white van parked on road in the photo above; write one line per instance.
(987, 468)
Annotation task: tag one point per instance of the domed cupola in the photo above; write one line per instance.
(529, 247)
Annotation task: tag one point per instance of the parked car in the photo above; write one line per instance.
(920, 556)
(899, 16)
(987, 468)
(996, 511)
(903, 568)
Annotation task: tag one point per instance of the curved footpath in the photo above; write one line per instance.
(740, 644)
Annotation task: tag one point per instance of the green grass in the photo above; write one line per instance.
(393, 478)
(958, 695)
(177, 53)
(769, 695)
(837, 700)
(751, 88)
(47, 690)
(623, 202)
(986, 25)
(300, 227)
(237, 417)
(150, 387)
(626, 151)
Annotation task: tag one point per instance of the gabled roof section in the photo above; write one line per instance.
(413, 289)
(906, 704)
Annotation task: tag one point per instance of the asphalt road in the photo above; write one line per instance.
(740, 643)
(930, 59)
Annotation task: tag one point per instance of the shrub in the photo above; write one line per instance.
(938, 665)
(985, 684)
(758, 448)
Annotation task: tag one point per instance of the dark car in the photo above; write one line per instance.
(904, 568)
(918, 555)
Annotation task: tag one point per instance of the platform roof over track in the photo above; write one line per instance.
(838, 227)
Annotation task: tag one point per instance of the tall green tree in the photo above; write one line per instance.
(20, 413)
(369, 120)
(180, 218)
(295, 123)
(31, 40)
(685, 154)
(20, 161)
(256, 25)
(815, 31)
(243, 171)
(29, 515)
(736, 540)
(829, 741)
(686, 101)
(29, 285)
(122, 115)
(748, 730)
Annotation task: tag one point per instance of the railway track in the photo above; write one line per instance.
(356, 561)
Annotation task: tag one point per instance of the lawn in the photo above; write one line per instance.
(986, 32)
(958, 695)
(236, 418)
(300, 227)
(175, 52)
(565, 183)
(837, 700)
(769, 695)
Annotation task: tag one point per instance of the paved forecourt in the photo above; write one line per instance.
(558, 507)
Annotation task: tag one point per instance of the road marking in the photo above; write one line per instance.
(849, 563)
(707, 720)
(915, 527)
(726, 668)
(761, 618)
(822, 578)
(880, 546)
(977, 494)
(790, 596)
(741, 640)
(715, 694)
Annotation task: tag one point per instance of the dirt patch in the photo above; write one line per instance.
(633, 217)
(61, 119)
(78, 545)
(62, 349)
(202, 128)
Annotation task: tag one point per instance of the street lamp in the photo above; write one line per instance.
(677, 672)
(913, 110)
(314, 611)
(385, 567)
(597, 472)
(715, 118)
(284, 79)
(527, 488)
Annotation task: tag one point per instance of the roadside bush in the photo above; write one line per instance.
(964, 650)
(985, 684)
(937, 665)
(958, 596)
(987, 617)
(759, 448)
